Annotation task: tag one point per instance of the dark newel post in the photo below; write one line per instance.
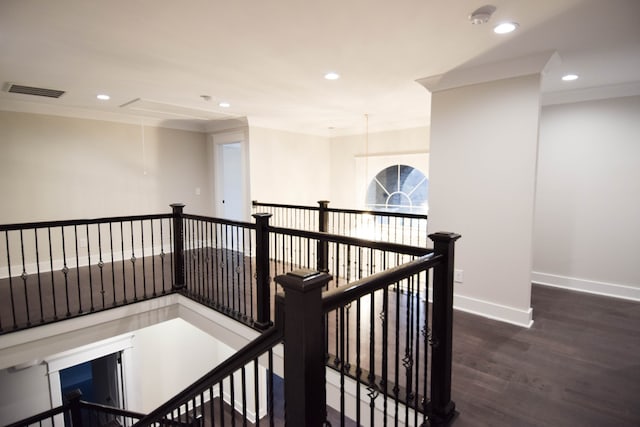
(323, 226)
(73, 397)
(178, 246)
(304, 369)
(442, 407)
(263, 273)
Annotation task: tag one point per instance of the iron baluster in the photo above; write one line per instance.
(253, 318)
(385, 350)
(416, 304)
(144, 272)
(162, 255)
(342, 368)
(207, 279)
(65, 271)
(89, 268)
(221, 391)
(270, 396)
(35, 235)
(113, 265)
(124, 280)
(13, 305)
(133, 264)
(75, 236)
(24, 277)
(53, 282)
(256, 398)
(358, 364)
(153, 258)
(101, 264)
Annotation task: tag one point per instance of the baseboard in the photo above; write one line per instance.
(494, 311)
(589, 286)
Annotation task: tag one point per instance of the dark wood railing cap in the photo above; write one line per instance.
(303, 280)
(262, 215)
(444, 236)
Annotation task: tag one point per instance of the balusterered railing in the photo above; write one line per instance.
(56, 270)
(377, 330)
(397, 227)
(400, 371)
(81, 413)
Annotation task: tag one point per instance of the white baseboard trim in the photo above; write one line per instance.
(590, 286)
(494, 311)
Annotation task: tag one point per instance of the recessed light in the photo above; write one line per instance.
(505, 27)
(224, 104)
(103, 97)
(570, 77)
(332, 75)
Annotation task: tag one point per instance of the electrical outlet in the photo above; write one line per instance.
(458, 276)
(82, 243)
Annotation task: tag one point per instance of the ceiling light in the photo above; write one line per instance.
(224, 104)
(482, 14)
(505, 27)
(332, 76)
(570, 77)
(103, 97)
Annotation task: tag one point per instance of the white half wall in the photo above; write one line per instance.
(587, 221)
(482, 182)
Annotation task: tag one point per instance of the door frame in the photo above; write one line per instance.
(57, 362)
(217, 141)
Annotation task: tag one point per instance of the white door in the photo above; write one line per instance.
(232, 188)
(230, 171)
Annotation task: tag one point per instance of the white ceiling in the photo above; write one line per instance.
(267, 58)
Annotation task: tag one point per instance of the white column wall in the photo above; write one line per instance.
(482, 176)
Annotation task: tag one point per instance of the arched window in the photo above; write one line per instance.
(399, 188)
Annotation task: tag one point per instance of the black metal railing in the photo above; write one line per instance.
(81, 413)
(409, 384)
(397, 227)
(61, 269)
(376, 326)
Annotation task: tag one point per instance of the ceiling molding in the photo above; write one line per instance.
(591, 93)
(81, 113)
(458, 77)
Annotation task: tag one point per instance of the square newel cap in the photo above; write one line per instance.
(303, 280)
(443, 236)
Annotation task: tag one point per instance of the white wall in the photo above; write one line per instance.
(346, 192)
(482, 177)
(289, 167)
(587, 223)
(23, 393)
(163, 362)
(170, 356)
(62, 168)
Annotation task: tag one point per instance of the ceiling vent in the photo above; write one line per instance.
(35, 91)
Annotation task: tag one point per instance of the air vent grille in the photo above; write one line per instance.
(36, 91)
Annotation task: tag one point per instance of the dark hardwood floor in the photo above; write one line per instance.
(579, 365)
